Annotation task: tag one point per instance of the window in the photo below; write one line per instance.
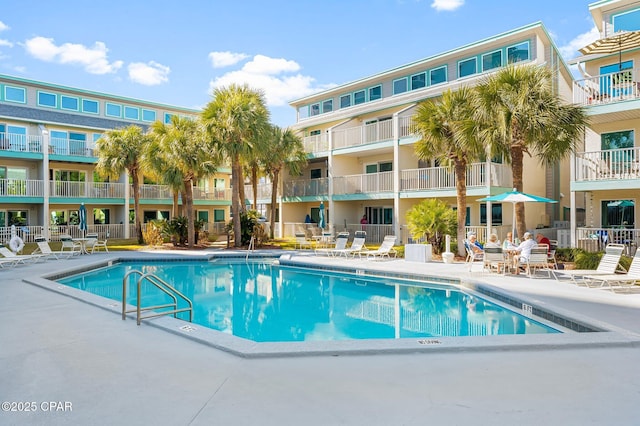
(496, 214)
(492, 60)
(17, 137)
(131, 113)
(314, 110)
(101, 216)
(15, 183)
(379, 215)
(345, 101)
(218, 215)
(149, 215)
(438, 75)
(399, 86)
(385, 167)
(148, 115)
(69, 176)
(70, 103)
(627, 21)
(418, 81)
(203, 215)
(618, 213)
(359, 97)
(167, 118)
(327, 106)
(315, 132)
(77, 143)
(17, 217)
(47, 99)
(90, 106)
(617, 140)
(303, 112)
(467, 67)
(518, 53)
(375, 93)
(371, 168)
(315, 173)
(113, 110)
(15, 94)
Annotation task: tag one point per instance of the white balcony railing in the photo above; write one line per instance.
(86, 189)
(153, 192)
(64, 146)
(20, 143)
(316, 144)
(608, 164)
(21, 188)
(607, 88)
(362, 135)
(366, 183)
(306, 187)
(212, 194)
(406, 126)
(444, 177)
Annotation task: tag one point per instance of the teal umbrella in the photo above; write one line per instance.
(321, 223)
(516, 197)
(82, 216)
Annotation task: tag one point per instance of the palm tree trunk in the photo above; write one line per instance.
(136, 205)
(175, 212)
(275, 175)
(188, 192)
(461, 190)
(235, 201)
(516, 170)
(254, 183)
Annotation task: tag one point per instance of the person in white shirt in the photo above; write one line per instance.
(523, 251)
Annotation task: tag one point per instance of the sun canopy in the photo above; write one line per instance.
(616, 43)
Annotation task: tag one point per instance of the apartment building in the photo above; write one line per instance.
(47, 163)
(361, 144)
(606, 170)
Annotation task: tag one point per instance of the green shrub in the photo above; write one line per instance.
(587, 260)
(152, 233)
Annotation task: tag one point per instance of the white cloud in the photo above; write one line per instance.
(570, 50)
(447, 5)
(93, 59)
(6, 43)
(226, 59)
(3, 26)
(149, 74)
(277, 77)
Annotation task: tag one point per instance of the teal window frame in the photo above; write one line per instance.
(43, 96)
(489, 60)
(629, 20)
(70, 103)
(314, 109)
(513, 58)
(359, 97)
(10, 93)
(433, 71)
(131, 113)
(303, 112)
(87, 106)
(345, 101)
(327, 106)
(375, 92)
(496, 213)
(400, 85)
(218, 215)
(109, 110)
(463, 73)
(167, 118)
(417, 83)
(148, 115)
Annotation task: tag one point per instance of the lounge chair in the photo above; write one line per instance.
(45, 251)
(619, 280)
(301, 241)
(340, 244)
(16, 258)
(608, 265)
(385, 249)
(357, 246)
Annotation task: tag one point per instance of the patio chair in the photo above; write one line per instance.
(340, 244)
(302, 242)
(101, 244)
(472, 256)
(385, 250)
(537, 261)
(70, 245)
(551, 256)
(357, 246)
(493, 258)
(619, 280)
(609, 263)
(17, 258)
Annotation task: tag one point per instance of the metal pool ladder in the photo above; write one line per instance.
(161, 285)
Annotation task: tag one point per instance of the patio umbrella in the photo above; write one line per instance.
(616, 43)
(622, 207)
(514, 197)
(321, 223)
(82, 215)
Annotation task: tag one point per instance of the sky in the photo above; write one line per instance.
(178, 52)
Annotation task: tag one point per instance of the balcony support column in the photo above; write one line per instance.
(46, 190)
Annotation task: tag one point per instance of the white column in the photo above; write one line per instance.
(46, 194)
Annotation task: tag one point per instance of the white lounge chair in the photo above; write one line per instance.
(302, 242)
(385, 250)
(340, 244)
(44, 250)
(357, 246)
(17, 258)
(618, 280)
(608, 265)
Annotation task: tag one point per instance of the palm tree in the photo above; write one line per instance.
(121, 150)
(235, 119)
(520, 112)
(286, 151)
(448, 135)
(181, 147)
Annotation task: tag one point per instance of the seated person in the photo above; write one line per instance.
(523, 251)
(493, 241)
(474, 244)
(543, 240)
(509, 243)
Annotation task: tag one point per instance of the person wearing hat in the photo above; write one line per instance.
(523, 251)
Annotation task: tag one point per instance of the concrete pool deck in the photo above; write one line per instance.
(54, 348)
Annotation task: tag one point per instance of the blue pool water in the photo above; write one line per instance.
(264, 302)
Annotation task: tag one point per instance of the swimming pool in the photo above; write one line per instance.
(264, 302)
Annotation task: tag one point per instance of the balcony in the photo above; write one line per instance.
(316, 144)
(86, 189)
(362, 135)
(607, 88)
(264, 191)
(154, 192)
(215, 194)
(20, 143)
(366, 183)
(306, 187)
(21, 188)
(608, 164)
(444, 178)
(64, 146)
